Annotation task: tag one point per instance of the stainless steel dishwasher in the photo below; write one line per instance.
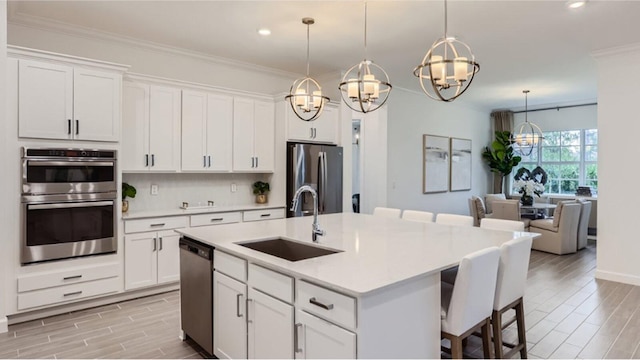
(196, 292)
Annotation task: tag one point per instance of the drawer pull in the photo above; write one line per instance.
(265, 215)
(72, 277)
(156, 225)
(296, 338)
(217, 219)
(238, 297)
(319, 304)
(73, 293)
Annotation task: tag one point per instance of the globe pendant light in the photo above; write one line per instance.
(305, 95)
(365, 87)
(529, 134)
(448, 68)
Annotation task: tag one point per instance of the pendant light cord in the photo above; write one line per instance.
(526, 105)
(445, 19)
(365, 30)
(307, 50)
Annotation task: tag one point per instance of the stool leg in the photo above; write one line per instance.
(496, 319)
(486, 339)
(456, 347)
(521, 329)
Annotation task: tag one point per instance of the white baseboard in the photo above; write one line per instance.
(618, 277)
(4, 324)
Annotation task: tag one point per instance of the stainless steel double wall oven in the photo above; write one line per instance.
(69, 203)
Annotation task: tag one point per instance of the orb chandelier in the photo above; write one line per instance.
(448, 68)
(529, 134)
(365, 87)
(305, 95)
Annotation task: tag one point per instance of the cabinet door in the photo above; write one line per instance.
(243, 135)
(229, 322)
(297, 129)
(164, 129)
(194, 112)
(325, 127)
(270, 324)
(219, 132)
(135, 127)
(320, 339)
(45, 100)
(96, 105)
(140, 260)
(168, 257)
(264, 135)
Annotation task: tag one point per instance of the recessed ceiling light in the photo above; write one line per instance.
(264, 32)
(574, 4)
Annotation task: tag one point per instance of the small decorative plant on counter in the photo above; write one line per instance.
(529, 183)
(127, 191)
(260, 190)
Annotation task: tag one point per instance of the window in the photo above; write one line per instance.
(570, 159)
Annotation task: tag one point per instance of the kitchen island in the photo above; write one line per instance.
(377, 297)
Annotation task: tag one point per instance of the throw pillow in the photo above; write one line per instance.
(479, 207)
(490, 198)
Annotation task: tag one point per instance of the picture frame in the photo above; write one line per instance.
(435, 163)
(460, 155)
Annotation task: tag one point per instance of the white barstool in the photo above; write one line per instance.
(467, 305)
(413, 215)
(453, 219)
(387, 212)
(500, 224)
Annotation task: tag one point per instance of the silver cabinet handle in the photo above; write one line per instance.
(204, 160)
(156, 225)
(69, 126)
(311, 133)
(155, 244)
(77, 126)
(296, 338)
(257, 161)
(216, 219)
(153, 160)
(238, 297)
(209, 157)
(319, 304)
(72, 277)
(160, 248)
(249, 301)
(146, 160)
(314, 133)
(265, 215)
(72, 293)
(253, 162)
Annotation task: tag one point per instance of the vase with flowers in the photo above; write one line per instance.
(529, 183)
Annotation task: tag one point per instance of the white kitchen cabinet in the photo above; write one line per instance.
(151, 128)
(59, 101)
(151, 259)
(253, 135)
(322, 130)
(207, 123)
(229, 321)
(320, 339)
(270, 332)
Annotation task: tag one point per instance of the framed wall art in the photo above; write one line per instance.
(460, 164)
(435, 164)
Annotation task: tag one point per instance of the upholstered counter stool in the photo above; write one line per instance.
(387, 212)
(454, 219)
(414, 215)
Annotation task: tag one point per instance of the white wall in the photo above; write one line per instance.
(583, 117)
(410, 116)
(5, 162)
(618, 245)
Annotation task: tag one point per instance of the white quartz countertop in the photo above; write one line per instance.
(208, 210)
(375, 252)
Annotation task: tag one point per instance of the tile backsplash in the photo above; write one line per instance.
(196, 189)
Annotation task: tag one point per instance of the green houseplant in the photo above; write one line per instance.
(500, 156)
(127, 191)
(260, 190)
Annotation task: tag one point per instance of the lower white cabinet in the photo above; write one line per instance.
(229, 321)
(151, 258)
(270, 322)
(320, 339)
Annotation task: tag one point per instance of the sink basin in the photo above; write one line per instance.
(287, 249)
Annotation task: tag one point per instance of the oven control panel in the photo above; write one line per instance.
(69, 153)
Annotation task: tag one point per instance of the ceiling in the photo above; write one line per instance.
(538, 45)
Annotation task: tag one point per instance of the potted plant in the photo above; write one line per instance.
(500, 156)
(260, 190)
(127, 191)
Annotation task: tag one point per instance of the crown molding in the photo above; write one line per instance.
(618, 50)
(36, 22)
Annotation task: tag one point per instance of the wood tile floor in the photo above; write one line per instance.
(569, 314)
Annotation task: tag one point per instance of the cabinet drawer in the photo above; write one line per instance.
(66, 277)
(216, 218)
(273, 283)
(328, 304)
(68, 293)
(230, 265)
(155, 224)
(268, 214)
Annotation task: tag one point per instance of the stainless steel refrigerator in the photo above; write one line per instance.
(319, 166)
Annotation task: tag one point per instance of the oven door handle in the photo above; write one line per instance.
(70, 205)
(68, 163)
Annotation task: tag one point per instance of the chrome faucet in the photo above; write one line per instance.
(315, 230)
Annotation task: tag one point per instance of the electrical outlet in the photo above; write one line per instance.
(154, 189)
(234, 188)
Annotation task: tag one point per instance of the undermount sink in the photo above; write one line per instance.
(287, 249)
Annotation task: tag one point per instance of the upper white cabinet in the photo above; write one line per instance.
(207, 123)
(324, 129)
(151, 128)
(63, 101)
(253, 135)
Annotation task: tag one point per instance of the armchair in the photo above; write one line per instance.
(559, 235)
(583, 224)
